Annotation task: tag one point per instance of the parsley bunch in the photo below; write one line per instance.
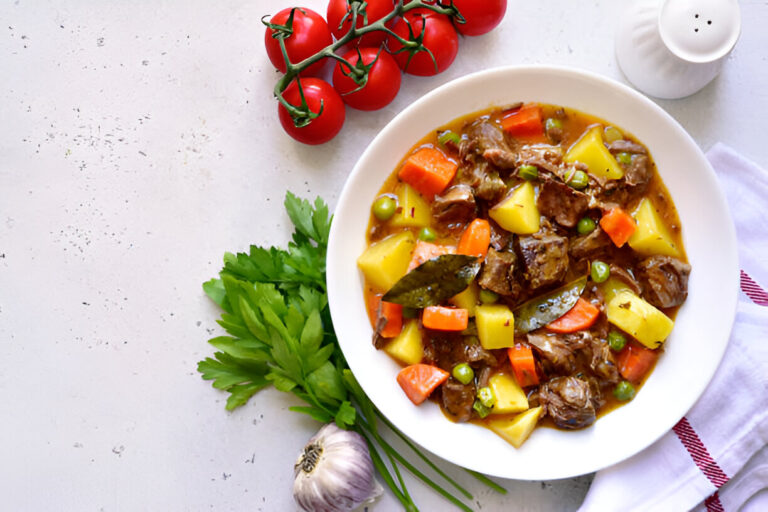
(280, 333)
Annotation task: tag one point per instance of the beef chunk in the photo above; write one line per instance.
(485, 182)
(554, 350)
(446, 350)
(456, 206)
(474, 354)
(638, 173)
(491, 186)
(543, 152)
(545, 258)
(589, 245)
(626, 146)
(558, 351)
(457, 399)
(483, 376)
(637, 176)
(664, 280)
(562, 203)
(624, 276)
(501, 158)
(542, 156)
(500, 239)
(498, 275)
(602, 361)
(571, 402)
(483, 135)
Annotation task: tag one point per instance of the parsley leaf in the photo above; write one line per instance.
(277, 318)
(276, 315)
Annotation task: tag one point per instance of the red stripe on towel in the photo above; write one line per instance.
(699, 453)
(753, 290)
(713, 503)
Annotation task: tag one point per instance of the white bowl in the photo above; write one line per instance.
(702, 327)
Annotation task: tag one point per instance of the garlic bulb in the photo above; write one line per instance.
(334, 473)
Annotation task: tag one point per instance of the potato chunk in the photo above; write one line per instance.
(413, 211)
(517, 213)
(467, 299)
(591, 151)
(384, 262)
(407, 346)
(638, 318)
(651, 236)
(517, 429)
(613, 286)
(495, 326)
(510, 397)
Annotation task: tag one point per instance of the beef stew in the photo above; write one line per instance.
(575, 274)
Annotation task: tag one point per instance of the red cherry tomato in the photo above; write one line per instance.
(439, 37)
(383, 80)
(481, 17)
(375, 10)
(324, 127)
(310, 35)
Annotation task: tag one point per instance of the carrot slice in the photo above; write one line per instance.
(619, 225)
(635, 361)
(390, 319)
(420, 380)
(581, 316)
(475, 239)
(373, 308)
(426, 251)
(445, 319)
(428, 171)
(523, 365)
(525, 123)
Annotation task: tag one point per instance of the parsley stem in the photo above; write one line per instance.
(423, 457)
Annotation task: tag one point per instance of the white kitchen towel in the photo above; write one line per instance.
(714, 459)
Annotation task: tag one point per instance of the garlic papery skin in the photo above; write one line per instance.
(334, 472)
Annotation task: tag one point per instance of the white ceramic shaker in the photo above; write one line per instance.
(672, 48)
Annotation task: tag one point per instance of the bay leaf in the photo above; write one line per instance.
(546, 308)
(434, 281)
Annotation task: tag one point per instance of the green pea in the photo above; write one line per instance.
(624, 158)
(616, 340)
(486, 396)
(553, 124)
(480, 409)
(384, 208)
(410, 312)
(427, 234)
(624, 391)
(463, 373)
(488, 297)
(586, 226)
(612, 134)
(600, 271)
(528, 172)
(579, 180)
(448, 136)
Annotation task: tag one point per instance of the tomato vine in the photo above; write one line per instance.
(302, 114)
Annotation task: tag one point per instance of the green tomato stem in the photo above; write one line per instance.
(303, 114)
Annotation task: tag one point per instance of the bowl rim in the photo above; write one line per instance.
(728, 295)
